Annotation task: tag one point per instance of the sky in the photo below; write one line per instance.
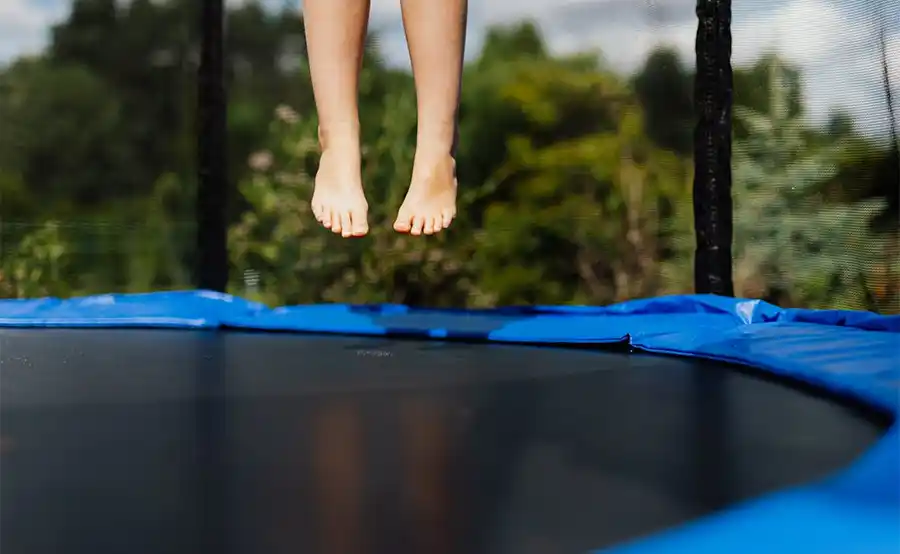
(832, 41)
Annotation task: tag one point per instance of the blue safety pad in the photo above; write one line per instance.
(856, 511)
(379, 320)
(856, 363)
(855, 354)
(183, 309)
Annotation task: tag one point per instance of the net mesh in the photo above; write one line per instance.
(815, 155)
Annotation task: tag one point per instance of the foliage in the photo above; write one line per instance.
(789, 240)
(60, 116)
(580, 189)
(34, 266)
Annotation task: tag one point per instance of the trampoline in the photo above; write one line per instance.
(200, 422)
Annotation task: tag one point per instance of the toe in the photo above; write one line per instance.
(359, 223)
(446, 218)
(402, 224)
(346, 224)
(429, 227)
(418, 224)
(336, 221)
(326, 217)
(319, 211)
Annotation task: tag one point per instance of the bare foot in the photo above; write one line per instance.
(338, 202)
(430, 203)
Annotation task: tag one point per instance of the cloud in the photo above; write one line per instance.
(836, 46)
(623, 32)
(385, 10)
(24, 27)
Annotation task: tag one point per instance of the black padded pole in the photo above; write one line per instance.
(713, 96)
(211, 271)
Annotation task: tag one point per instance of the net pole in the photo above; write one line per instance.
(211, 271)
(713, 97)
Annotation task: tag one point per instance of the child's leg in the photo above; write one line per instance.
(435, 31)
(335, 36)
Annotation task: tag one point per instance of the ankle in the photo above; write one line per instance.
(433, 162)
(436, 138)
(434, 150)
(341, 137)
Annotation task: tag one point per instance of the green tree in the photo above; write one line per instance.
(575, 215)
(664, 89)
(790, 243)
(753, 89)
(56, 119)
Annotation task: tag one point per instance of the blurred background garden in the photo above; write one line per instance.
(575, 160)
